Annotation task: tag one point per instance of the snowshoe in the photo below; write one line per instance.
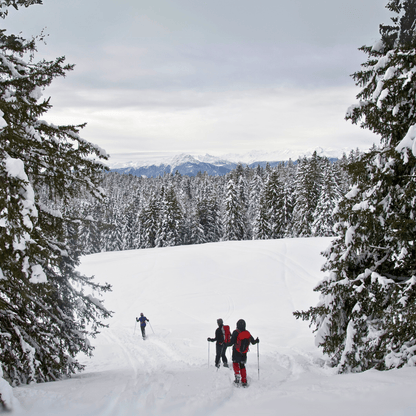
(244, 384)
(225, 365)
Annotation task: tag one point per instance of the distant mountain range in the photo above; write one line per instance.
(190, 165)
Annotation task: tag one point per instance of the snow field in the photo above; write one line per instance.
(183, 290)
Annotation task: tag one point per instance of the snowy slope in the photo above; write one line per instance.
(183, 290)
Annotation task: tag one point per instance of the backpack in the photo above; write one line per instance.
(227, 333)
(243, 341)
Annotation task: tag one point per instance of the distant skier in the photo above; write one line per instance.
(222, 336)
(142, 321)
(241, 339)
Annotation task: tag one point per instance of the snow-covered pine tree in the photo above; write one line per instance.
(171, 221)
(213, 225)
(301, 220)
(330, 194)
(233, 221)
(367, 314)
(289, 179)
(262, 228)
(97, 231)
(341, 174)
(116, 235)
(149, 223)
(131, 226)
(274, 198)
(243, 191)
(46, 314)
(194, 223)
(255, 192)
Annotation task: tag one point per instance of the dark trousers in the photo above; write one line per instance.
(143, 331)
(221, 350)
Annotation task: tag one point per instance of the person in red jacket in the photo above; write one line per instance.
(221, 347)
(240, 340)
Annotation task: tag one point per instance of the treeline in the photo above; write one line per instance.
(290, 200)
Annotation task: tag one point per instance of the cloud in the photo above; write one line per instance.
(216, 68)
(185, 121)
(215, 76)
(192, 44)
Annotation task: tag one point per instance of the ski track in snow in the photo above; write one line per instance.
(183, 290)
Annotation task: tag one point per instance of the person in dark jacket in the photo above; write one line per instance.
(142, 321)
(240, 340)
(221, 348)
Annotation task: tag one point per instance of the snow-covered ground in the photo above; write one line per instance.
(183, 290)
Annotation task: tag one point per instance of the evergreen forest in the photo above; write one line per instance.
(294, 199)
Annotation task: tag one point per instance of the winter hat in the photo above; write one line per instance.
(241, 325)
(220, 322)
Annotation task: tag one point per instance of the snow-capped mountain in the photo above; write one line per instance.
(153, 165)
(184, 164)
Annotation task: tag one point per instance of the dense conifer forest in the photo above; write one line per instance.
(294, 199)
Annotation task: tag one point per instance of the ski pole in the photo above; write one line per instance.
(258, 361)
(134, 333)
(208, 354)
(151, 327)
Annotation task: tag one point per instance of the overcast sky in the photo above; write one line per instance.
(203, 76)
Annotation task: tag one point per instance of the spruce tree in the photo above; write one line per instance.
(289, 179)
(46, 312)
(256, 189)
(213, 225)
(149, 223)
(274, 198)
(330, 194)
(131, 226)
(117, 226)
(262, 228)
(243, 191)
(171, 221)
(341, 174)
(303, 208)
(234, 226)
(196, 232)
(367, 314)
